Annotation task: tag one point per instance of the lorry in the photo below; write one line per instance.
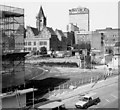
(87, 101)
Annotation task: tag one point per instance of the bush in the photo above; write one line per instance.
(61, 64)
(43, 50)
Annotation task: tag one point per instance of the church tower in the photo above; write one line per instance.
(41, 20)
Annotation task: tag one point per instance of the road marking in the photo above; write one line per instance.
(110, 85)
(107, 100)
(91, 93)
(39, 74)
(114, 96)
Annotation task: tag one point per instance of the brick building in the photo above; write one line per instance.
(110, 38)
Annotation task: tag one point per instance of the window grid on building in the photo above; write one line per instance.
(34, 43)
(29, 49)
(43, 43)
(25, 43)
(34, 48)
(29, 43)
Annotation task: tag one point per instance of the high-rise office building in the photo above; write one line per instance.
(80, 17)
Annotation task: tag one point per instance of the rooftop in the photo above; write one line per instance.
(117, 44)
(51, 30)
(10, 94)
(34, 30)
(41, 13)
(60, 32)
(108, 29)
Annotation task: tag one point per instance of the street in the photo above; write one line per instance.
(108, 95)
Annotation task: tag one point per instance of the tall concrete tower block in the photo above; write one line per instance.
(80, 17)
(40, 20)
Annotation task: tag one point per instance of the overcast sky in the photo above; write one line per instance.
(103, 13)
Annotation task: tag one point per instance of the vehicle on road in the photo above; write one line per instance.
(87, 101)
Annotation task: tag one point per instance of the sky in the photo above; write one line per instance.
(103, 13)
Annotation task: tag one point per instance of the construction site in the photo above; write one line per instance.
(12, 57)
(29, 83)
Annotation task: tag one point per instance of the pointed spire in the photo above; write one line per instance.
(41, 13)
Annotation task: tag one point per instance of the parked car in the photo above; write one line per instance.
(87, 101)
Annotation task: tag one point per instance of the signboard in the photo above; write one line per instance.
(78, 11)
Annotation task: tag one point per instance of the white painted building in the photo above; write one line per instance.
(80, 17)
(82, 36)
(34, 42)
(72, 27)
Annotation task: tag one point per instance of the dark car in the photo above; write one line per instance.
(92, 102)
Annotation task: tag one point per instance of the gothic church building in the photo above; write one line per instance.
(41, 36)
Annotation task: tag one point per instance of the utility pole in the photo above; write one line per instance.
(33, 96)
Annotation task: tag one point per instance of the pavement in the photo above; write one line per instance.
(64, 70)
(84, 89)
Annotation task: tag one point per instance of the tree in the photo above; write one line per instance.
(110, 51)
(43, 50)
(88, 47)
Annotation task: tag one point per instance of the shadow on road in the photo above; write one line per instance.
(43, 87)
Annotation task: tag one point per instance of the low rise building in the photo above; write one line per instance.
(35, 40)
(82, 37)
(62, 38)
(117, 48)
(110, 38)
(70, 39)
(96, 42)
(72, 27)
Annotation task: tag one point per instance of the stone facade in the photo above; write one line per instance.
(46, 38)
(43, 36)
(40, 20)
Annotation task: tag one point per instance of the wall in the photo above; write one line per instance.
(12, 102)
(38, 46)
(96, 41)
(82, 36)
(81, 20)
(116, 50)
(71, 27)
(111, 37)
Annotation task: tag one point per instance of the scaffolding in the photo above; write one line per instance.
(12, 28)
(12, 47)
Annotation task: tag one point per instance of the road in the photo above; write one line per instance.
(108, 95)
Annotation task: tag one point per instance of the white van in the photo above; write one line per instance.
(53, 106)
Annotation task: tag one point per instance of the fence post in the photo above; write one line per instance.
(91, 79)
(97, 78)
(82, 81)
